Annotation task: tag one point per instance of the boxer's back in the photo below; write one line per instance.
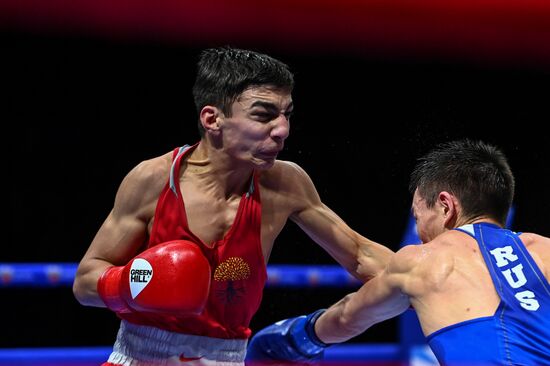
(519, 329)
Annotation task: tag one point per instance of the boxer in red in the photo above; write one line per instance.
(227, 197)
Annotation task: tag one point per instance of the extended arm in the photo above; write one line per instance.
(377, 300)
(362, 257)
(304, 338)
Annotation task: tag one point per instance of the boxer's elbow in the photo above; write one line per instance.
(372, 259)
(85, 288)
(80, 291)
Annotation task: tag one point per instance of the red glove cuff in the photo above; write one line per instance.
(108, 288)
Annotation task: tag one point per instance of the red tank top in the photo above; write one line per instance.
(237, 263)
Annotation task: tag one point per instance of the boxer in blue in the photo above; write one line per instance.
(481, 292)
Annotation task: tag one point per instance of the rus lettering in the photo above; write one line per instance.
(515, 277)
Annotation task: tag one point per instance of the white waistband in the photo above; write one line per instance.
(140, 345)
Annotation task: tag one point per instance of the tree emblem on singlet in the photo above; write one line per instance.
(230, 270)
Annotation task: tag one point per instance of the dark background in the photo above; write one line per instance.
(80, 110)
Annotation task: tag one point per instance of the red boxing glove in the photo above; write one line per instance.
(171, 277)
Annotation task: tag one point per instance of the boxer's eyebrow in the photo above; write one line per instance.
(272, 107)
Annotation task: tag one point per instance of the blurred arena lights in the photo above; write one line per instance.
(496, 31)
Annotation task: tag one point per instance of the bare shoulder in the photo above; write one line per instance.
(287, 177)
(289, 188)
(427, 265)
(538, 244)
(406, 258)
(539, 247)
(416, 257)
(284, 172)
(404, 267)
(153, 169)
(535, 240)
(145, 181)
(287, 164)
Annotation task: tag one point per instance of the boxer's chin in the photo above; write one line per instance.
(264, 162)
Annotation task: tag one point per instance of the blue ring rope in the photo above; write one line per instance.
(279, 275)
(76, 356)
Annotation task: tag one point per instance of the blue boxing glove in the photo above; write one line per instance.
(287, 341)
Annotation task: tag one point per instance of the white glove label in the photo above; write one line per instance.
(141, 273)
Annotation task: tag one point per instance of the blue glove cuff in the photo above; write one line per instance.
(303, 334)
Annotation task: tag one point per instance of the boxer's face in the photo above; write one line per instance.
(430, 221)
(258, 126)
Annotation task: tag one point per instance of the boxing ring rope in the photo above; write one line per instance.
(376, 354)
(279, 275)
(379, 354)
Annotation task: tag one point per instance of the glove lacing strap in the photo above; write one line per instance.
(305, 339)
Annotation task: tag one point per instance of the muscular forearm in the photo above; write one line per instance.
(333, 326)
(376, 301)
(362, 258)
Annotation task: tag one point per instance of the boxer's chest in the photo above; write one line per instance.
(208, 218)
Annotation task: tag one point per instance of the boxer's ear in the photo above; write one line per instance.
(450, 208)
(210, 118)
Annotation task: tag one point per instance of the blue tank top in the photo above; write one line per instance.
(519, 331)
